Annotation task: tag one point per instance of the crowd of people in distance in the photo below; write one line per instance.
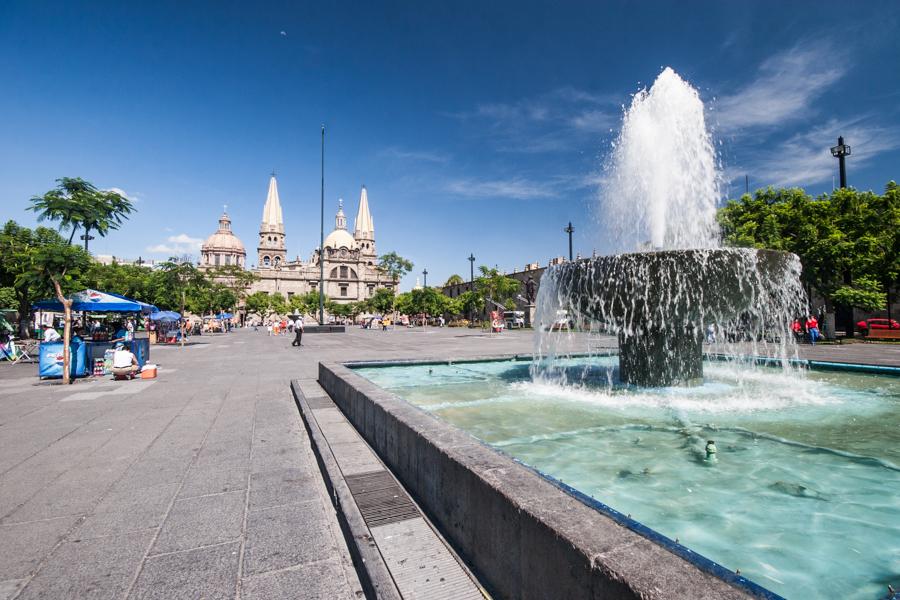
(285, 326)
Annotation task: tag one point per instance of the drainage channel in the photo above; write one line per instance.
(396, 550)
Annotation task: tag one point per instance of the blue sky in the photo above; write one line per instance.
(477, 127)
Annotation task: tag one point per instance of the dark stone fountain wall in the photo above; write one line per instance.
(660, 303)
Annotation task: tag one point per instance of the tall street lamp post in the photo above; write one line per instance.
(569, 230)
(471, 270)
(86, 237)
(322, 239)
(425, 277)
(839, 152)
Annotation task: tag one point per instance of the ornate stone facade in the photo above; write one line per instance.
(350, 260)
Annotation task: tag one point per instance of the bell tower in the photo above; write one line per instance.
(271, 250)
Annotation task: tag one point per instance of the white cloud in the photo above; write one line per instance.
(516, 188)
(134, 197)
(805, 158)
(176, 245)
(784, 88)
(554, 121)
(412, 155)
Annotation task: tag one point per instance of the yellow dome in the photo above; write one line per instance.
(223, 240)
(340, 238)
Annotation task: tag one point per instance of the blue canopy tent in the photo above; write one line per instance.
(223, 316)
(94, 301)
(165, 315)
(87, 352)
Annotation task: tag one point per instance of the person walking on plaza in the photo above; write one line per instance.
(812, 328)
(298, 331)
(269, 328)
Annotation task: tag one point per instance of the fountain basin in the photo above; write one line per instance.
(660, 303)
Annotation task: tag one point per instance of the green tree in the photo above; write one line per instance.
(61, 265)
(258, 303)
(471, 303)
(17, 246)
(8, 298)
(307, 304)
(277, 304)
(428, 301)
(382, 301)
(394, 265)
(235, 278)
(454, 280)
(496, 287)
(76, 203)
(848, 242)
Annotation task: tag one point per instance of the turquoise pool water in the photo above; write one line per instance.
(804, 497)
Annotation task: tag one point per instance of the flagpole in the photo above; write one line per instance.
(322, 239)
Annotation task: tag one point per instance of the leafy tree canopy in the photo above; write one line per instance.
(394, 265)
(848, 235)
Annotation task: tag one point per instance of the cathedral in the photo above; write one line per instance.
(350, 260)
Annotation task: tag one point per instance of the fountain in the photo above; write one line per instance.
(660, 194)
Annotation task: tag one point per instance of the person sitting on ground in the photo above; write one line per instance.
(50, 334)
(125, 363)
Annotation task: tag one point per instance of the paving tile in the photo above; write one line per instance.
(322, 580)
(128, 510)
(11, 587)
(100, 568)
(202, 481)
(205, 573)
(285, 536)
(202, 521)
(283, 486)
(24, 545)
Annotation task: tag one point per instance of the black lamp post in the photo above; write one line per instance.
(425, 275)
(471, 270)
(86, 237)
(569, 230)
(839, 152)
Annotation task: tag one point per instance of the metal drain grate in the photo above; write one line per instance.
(380, 499)
(320, 402)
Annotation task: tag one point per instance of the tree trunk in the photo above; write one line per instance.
(67, 330)
(24, 318)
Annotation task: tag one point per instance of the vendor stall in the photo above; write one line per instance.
(165, 327)
(91, 347)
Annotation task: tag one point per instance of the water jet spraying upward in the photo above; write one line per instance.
(662, 189)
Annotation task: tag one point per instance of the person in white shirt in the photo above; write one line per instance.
(298, 331)
(125, 363)
(51, 335)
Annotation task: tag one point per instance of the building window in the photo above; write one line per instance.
(371, 290)
(343, 272)
(277, 261)
(290, 295)
(227, 260)
(217, 260)
(265, 261)
(343, 291)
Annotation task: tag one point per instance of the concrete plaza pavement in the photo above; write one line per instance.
(200, 483)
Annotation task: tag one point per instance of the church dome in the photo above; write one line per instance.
(340, 238)
(224, 239)
(222, 247)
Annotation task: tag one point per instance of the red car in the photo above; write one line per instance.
(877, 324)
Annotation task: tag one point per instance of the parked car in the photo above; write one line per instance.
(514, 319)
(877, 324)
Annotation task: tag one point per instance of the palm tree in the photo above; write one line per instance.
(78, 203)
(454, 280)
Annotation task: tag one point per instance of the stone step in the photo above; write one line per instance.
(397, 551)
